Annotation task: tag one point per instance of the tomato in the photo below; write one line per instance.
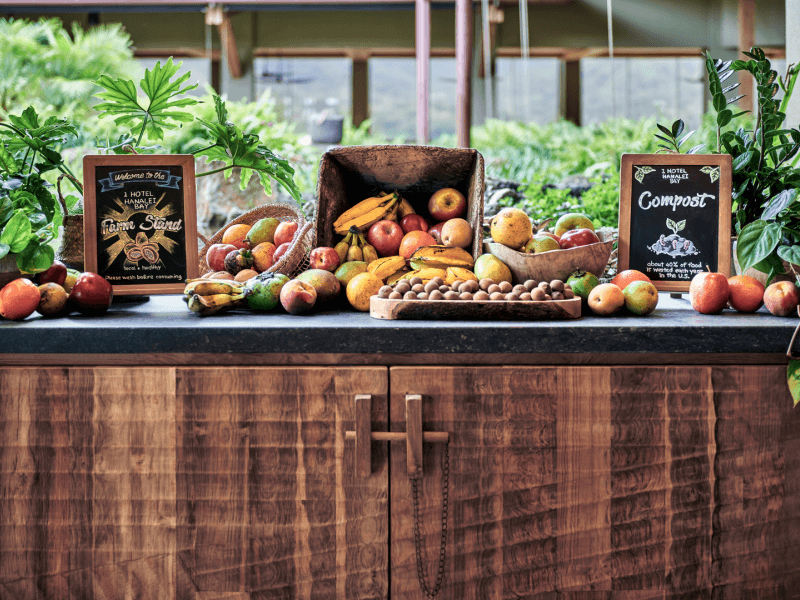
(18, 299)
(215, 257)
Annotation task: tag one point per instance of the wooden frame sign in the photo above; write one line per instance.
(140, 221)
(675, 216)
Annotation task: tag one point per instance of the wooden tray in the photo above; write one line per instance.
(503, 310)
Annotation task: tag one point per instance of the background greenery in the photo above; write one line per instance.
(52, 69)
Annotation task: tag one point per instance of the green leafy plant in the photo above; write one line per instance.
(672, 137)
(230, 144)
(29, 216)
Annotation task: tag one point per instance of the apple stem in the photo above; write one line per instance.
(709, 268)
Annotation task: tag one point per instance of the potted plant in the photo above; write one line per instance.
(766, 214)
(29, 217)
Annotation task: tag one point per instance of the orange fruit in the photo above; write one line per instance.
(746, 293)
(235, 235)
(18, 299)
(413, 240)
(264, 256)
(623, 278)
(361, 288)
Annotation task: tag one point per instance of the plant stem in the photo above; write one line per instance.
(71, 177)
(225, 168)
(25, 158)
(144, 126)
(33, 160)
(202, 149)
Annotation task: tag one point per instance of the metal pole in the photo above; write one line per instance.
(611, 60)
(487, 60)
(463, 72)
(423, 50)
(524, 37)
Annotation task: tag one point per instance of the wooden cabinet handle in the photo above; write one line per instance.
(413, 436)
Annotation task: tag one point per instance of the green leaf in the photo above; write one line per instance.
(724, 117)
(793, 379)
(719, 102)
(742, 160)
(778, 203)
(7, 162)
(677, 128)
(664, 129)
(738, 65)
(122, 100)
(696, 149)
(790, 254)
(35, 257)
(680, 226)
(6, 210)
(4, 250)
(756, 242)
(17, 232)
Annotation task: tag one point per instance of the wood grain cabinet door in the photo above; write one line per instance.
(616, 482)
(269, 505)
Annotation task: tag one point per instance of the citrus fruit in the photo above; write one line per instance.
(623, 278)
(235, 235)
(18, 299)
(746, 293)
(361, 288)
(413, 240)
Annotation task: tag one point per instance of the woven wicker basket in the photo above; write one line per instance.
(294, 261)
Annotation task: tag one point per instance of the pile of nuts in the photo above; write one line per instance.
(485, 289)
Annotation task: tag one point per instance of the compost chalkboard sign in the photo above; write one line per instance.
(140, 222)
(675, 216)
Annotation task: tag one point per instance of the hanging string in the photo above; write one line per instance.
(487, 61)
(524, 37)
(611, 60)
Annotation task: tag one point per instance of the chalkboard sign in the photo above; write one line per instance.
(675, 216)
(140, 222)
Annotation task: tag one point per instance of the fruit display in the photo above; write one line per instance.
(532, 253)
(416, 288)
(206, 297)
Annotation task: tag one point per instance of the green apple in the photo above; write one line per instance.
(582, 283)
(572, 221)
(540, 243)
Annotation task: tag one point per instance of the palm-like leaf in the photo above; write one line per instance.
(122, 100)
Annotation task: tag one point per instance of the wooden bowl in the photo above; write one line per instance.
(556, 264)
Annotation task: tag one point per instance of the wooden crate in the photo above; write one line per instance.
(350, 174)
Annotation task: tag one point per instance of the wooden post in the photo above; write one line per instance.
(747, 39)
(423, 50)
(464, 72)
(360, 109)
(571, 89)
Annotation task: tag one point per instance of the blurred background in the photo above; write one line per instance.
(308, 75)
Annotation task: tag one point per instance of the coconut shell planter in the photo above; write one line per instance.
(556, 264)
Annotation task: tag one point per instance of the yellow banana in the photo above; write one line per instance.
(343, 246)
(405, 208)
(441, 257)
(211, 287)
(365, 220)
(384, 267)
(426, 274)
(205, 307)
(354, 252)
(367, 250)
(396, 276)
(392, 214)
(361, 209)
(456, 273)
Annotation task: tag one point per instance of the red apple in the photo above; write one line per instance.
(709, 292)
(324, 258)
(215, 256)
(578, 237)
(413, 223)
(436, 232)
(446, 204)
(57, 273)
(91, 294)
(552, 235)
(385, 236)
(284, 232)
(280, 251)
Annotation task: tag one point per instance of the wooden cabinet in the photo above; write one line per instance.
(236, 483)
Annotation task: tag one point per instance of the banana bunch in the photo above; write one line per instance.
(355, 247)
(209, 296)
(441, 257)
(368, 212)
(388, 268)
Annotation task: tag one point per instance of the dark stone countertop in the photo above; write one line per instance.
(164, 325)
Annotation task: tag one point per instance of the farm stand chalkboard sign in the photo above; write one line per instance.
(675, 216)
(140, 221)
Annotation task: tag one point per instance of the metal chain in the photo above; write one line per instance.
(423, 577)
